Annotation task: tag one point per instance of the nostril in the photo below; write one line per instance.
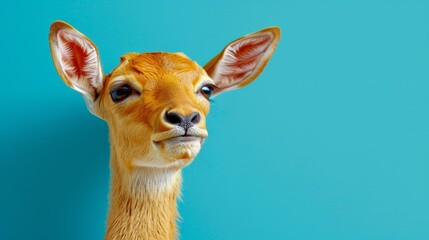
(194, 117)
(173, 118)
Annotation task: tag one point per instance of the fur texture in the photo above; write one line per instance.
(148, 151)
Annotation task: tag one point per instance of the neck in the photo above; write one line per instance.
(143, 203)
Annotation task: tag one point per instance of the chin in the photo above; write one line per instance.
(176, 152)
(181, 148)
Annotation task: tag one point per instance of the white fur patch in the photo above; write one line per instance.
(154, 180)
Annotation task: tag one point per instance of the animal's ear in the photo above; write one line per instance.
(76, 60)
(243, 60)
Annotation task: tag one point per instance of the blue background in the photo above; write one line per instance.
(331, 142)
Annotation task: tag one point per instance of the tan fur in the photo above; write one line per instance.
(146, 160)
(138, 212)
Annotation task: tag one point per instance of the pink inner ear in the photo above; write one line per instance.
(78, 59)
(251, 47)
(242, 57)
(75, 59)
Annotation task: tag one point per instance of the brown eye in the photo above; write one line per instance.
(207, 91)
(120, 93)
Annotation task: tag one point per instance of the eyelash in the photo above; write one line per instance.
(122, 91)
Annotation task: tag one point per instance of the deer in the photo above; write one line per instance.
(155, 105)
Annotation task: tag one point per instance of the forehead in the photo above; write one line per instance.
(159, 66)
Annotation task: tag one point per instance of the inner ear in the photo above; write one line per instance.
(241, 58)
(79, 61)
(75, 55)
(76, 60)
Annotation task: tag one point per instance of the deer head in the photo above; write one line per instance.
(156, 103)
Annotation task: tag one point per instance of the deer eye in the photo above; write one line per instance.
(207, 91)
(120, 93)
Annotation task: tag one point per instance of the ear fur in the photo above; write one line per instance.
(77, 60)
(243, 60)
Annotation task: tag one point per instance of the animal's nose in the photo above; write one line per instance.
(185, 122)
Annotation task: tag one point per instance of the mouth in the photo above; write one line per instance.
(180, 139)
(179, 135)
(185, 138)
